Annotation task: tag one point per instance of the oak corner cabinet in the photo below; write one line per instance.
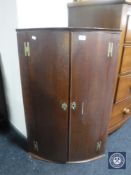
(68, 77)
(111, 14)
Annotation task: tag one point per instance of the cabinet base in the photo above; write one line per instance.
(68, 162)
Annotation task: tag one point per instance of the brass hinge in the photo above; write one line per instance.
(35, 143)
(110, 50)
(98, 145)
(27, 49)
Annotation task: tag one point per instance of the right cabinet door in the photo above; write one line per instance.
(94, 58)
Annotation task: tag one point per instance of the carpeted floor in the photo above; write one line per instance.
(15, 161)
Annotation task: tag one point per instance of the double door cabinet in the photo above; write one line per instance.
(68, 78)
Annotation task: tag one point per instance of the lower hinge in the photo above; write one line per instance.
(98, 145)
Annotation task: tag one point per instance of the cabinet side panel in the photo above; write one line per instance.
(25, 81)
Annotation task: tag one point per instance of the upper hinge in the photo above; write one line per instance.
(27, 49)
(35, 144)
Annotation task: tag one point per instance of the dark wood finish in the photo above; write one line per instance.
(49, 78)
(108, 14)
(62, 68)
(70, 29)
(26, 90)
(91, 77)
(49, 81)
(95, 16)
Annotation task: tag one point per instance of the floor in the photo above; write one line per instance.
(15, 161)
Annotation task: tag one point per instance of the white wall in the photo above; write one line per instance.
(8, 49)
(36, 13)
(42, 13)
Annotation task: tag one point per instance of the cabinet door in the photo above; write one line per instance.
(93, 76)
(49, 84)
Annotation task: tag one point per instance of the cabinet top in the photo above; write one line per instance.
(97, 2)
(71, 29)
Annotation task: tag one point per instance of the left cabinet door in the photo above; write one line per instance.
(45, 82)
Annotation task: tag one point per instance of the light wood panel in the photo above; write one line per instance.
(126, 60)
(121, 112)
(124, 88)
(128, 33)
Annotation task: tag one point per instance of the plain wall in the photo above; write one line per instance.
(23, 14)
(42, 13)
(8, 50)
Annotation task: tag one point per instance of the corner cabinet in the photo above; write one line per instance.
(68, 77)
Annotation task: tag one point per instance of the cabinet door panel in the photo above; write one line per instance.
(49, 79)
(92, 73)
